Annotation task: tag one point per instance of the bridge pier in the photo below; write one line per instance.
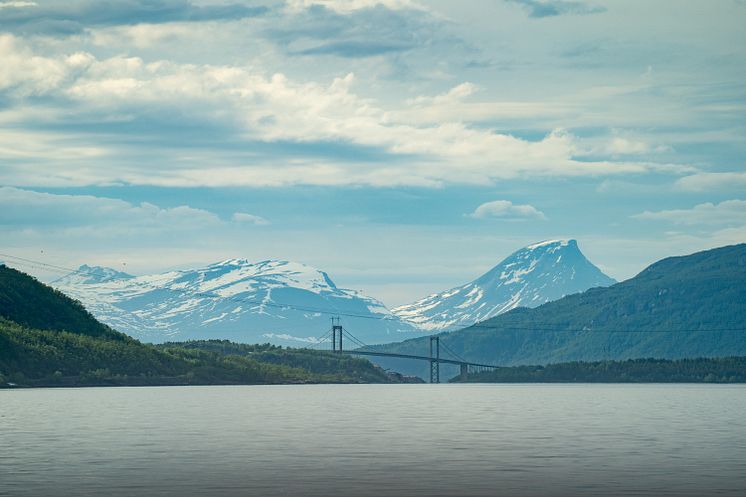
(336, 329)
(464, 372)
(435, 360)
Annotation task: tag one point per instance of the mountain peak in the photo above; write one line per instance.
(554, 244)
(231, 262)
(280, 301)
(529, 277)
(86, 274)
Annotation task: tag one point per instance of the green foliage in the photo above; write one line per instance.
(47, 339)
(26, 301)
(42, 357)
(701, 370)
(334, 367)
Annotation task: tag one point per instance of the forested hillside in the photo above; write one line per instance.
(679, 307)
(702, 370)
(27, 302)
(47, 339)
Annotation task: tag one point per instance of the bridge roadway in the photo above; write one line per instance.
(463, 364)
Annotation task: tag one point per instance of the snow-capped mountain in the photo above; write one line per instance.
(530, 277)
(273, 301)
(92, 274)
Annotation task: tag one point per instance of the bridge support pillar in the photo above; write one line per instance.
(435, 360)
(336, 331)
(464, 372)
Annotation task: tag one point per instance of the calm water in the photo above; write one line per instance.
(338, 440)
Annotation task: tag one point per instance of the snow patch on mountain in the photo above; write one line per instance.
(276, 301)
(532, 276)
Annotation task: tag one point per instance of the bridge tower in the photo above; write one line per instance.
(435, 360)
(336, 330)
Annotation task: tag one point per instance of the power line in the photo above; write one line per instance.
(600, 330)
(536, 327)
(336, 312)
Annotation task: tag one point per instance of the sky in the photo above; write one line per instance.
(404, 147)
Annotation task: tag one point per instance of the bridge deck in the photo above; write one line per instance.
(418, 357)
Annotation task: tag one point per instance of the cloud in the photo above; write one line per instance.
(505, 209)
(348, 6)
(553, 8)
(26, 209)
(353, 48)
(729, 212)
(356, 29)
(16, 4)
(242, 217)
(74, 16)
(31, 74)
(627, 146)
(125, 105)
(712, 181)
(451, 97)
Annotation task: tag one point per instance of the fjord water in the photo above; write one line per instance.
(377, 440)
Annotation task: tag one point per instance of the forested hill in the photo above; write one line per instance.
(47, 339)
(701, 370)
(690, 306)
(27, 302)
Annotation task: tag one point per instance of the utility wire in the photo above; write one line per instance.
(544, 327)
(336, 312)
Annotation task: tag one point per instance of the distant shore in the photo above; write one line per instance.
(699, 370)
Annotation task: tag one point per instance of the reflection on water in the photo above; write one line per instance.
(382, 440)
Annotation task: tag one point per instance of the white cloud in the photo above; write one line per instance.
(26, 209)
(712, 181)
(242, 217)
(16, 4)
(275, 108)
(729, 212)
(347, 6)
(453, 96)
(506, 209)
(143, 35)
(30, 74)
(619, 145)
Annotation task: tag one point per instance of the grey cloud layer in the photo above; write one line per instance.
(553, 8)
(365, 32)
(91, 110)
(55, 17)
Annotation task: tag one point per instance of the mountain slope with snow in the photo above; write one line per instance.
(532, 276)
(281, 302)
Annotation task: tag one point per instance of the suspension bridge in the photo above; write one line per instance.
(337, 334)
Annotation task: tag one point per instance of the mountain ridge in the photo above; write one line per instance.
(531, 276)
(49, 339)
(679, 307)
(277, 301)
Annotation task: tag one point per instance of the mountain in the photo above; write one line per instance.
(273, 301)
(48, 339)
(679, 307)
(92, 274)
(530, 277)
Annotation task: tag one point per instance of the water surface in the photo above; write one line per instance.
(375, 440)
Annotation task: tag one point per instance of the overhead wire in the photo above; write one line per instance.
(536, 327)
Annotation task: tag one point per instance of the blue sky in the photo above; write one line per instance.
(402, 146)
